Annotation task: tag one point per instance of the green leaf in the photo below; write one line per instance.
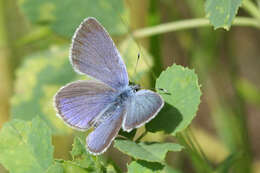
(64, 16)
(136, 167)
(79, 154)
(55, 168)
(221, 13)
(78, 147)
(72, 168)
(182, 98)
(38, 79)
(26, 146)
(153, 152)
(149, 167)
(85, 160)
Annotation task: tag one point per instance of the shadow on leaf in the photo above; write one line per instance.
(167, 120)
(151, 165)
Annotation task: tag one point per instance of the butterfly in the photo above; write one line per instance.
(107, 102)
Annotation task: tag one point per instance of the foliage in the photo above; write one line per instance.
(26, 140)
(38, 79)
(221, 13)
(182, 93)
(151, 152)
(63, 16)
(19, 147)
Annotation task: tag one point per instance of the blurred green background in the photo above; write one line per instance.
(34, 44)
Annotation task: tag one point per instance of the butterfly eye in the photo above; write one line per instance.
(136, 87)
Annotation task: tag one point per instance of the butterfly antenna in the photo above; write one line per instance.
(129, 30)
(138, 57)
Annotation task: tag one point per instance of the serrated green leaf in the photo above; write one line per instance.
(221, 13)
(83, 159)
(64, 16)
(79, 154)
(167, 120)
(152, 152)
(26, 146)
(38, 79)
(78, 147)
(182, 98)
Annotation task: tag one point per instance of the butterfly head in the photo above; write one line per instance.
(134, 87)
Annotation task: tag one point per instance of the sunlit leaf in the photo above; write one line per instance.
(153, 152)
(136, 167)
(38, 79)
(78, 147)
(181, 92)
(64, 16)
(26, 146)
(79, 154)
(55, 168)
(70, 167)
(149, 167)
(221, 13)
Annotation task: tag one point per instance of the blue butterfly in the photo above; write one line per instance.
(108, 102)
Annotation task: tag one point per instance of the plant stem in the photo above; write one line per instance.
(197, 145)
(141, 136)
(251, 8)
(200, 163)
(189, 24)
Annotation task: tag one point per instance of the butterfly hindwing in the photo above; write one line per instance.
(141, 108)
(100, 139)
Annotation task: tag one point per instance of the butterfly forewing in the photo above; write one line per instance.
(79, 103)
(141, 108)
(93, 53)
(100, 139)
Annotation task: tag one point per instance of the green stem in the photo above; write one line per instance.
(197, 145)
(189, 24)
(251, 8)
(200, 163)
(141, 136)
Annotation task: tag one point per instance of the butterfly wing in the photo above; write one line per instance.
(100, 139)
(79, 103)
(93, 52)
(141, 108)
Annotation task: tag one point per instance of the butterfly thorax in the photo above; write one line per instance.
(127, 93)
(119, 101)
